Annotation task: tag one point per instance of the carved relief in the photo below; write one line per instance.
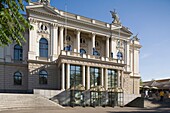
(43, 28)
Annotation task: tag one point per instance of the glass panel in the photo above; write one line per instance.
(43, 77)
(17, 78)
(75, 75)
(43, 47)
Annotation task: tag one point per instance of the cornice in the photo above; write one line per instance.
(61, 17)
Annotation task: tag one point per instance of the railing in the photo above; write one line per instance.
(87, 56)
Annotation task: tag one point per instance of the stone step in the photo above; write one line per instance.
(8, 101)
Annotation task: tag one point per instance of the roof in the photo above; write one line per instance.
(61, 13)
(161, 83)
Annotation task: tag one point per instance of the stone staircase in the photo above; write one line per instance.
(15, 101)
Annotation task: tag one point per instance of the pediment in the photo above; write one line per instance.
(42, 9)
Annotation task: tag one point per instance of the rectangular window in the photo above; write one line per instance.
(94, 76)
(112, 78)
(75, 75)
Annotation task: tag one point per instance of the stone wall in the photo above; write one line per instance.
(7, 77)
(33, 76)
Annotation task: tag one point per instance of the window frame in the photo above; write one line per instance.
(43, 78)
(43, 48)
(18, 53)
(17, 77)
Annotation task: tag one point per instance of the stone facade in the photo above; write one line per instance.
(61, 41)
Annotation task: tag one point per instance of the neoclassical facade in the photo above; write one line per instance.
(83, 57)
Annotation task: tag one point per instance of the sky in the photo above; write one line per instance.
(150, 19)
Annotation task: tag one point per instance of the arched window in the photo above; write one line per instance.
(43, 47)
(43, 75)
(17, 78)
(82, 51)
(119, 55)
(18, 52)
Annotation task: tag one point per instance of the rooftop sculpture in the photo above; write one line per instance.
(46, 2)
(115, 17)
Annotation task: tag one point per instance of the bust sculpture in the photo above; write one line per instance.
(115, 17)
(46, 2)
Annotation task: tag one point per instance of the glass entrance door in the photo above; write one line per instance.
(112, 100)
(96, 98)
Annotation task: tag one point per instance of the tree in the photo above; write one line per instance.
(12, 22)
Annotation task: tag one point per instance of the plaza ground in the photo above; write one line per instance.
(151, 106)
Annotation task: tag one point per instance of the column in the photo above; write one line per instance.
(111, 46)
(68, 76)
(128, 58)
(93, 42)
(62, 76)
(101, 69)
(78, 41)
(107, 47)
(61, 38)
(83, 78)
(106, 79)
(54, 42)
(118, 78)
(122, 78)
(114, 48)
(88, 78)
(32, 40)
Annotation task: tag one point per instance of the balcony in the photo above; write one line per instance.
(91, 57)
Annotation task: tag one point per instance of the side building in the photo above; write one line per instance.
(80, 57)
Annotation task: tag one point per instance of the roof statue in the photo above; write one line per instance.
(115, 17)
(136, 38)
(46, 2)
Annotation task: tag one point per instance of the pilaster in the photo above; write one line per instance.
(107, 47)
(62, 76)
(106, 79)
(93, 42)
(68, 76)
(83, 78)
(88, 78)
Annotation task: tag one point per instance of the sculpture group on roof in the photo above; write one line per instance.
(115, 17)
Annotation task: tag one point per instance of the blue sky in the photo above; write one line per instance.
(149, 18)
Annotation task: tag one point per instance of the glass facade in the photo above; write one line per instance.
(75, 80)
(18, 52)
(94, 76)
(112, 78)
(75, 75)
(43, 47)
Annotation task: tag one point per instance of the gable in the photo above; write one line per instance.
(42, 9)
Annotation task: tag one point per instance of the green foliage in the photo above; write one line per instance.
(141, 82)
(12, 22)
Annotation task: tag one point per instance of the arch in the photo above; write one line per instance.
(119, 55)
(43, 77)
(43, 47)
(17, 78)
(18, 52)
